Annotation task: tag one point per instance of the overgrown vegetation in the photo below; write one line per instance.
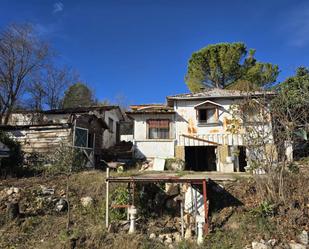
(232, 226)
(120, 196)
(13, 165)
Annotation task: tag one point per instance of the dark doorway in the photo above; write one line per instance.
(242, 158)
(201, 158)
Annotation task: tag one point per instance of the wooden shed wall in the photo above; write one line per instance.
(43, 141)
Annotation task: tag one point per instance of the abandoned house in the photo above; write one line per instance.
(90, 129)
(193, 127)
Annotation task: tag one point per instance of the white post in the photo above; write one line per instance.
(200, 221)
(107, 197)
(132, 211)
(182, 221)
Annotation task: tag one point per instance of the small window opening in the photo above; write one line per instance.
(208, 116)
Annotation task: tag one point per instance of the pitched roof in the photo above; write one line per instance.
(72, 110)
(76, 110)
(219, 93)
(81, 109)
(207, 102)
(151, 108)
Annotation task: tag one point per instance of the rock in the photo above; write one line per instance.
(47, 191)
(177, 237)
(259, 245)
(175, 165)
(303, 238)
(61, 205)
(62, 192)
(170, 246)
(86, 201)
(294, 245)
(152, 236)
(271, 242)
(15, 190)
(161, 237)
(10, 191)
(168, 239)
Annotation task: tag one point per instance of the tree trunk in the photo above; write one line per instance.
(8, 115)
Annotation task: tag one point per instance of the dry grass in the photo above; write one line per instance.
(47, 229)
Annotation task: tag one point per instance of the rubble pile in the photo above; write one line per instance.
(34, 201)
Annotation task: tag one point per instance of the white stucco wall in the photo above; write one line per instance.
(151, 148)
(187, 120)
(163, 148)
(187, 117)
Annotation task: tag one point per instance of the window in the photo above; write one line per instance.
(81, 137)
(158, 129)
(111, 124)
(208, 116)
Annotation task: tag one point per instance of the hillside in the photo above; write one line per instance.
(234, 224)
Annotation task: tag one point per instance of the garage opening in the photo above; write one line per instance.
(201, 158)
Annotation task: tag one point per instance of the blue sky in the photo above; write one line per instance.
(139, 48)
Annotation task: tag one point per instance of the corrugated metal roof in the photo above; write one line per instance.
(72, 110)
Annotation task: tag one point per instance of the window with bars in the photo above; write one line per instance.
(158, 128)
(81, 137)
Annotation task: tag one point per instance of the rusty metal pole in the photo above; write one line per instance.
(205, 206)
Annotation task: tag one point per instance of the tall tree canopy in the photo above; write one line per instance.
(292, 101)
(228, 65)
(78, 95)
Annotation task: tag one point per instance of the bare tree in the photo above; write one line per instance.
(46, 90)
(270, 125)
(37, 93)
(21, 55)
(57, 81)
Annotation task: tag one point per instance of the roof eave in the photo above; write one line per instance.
(171, 98)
